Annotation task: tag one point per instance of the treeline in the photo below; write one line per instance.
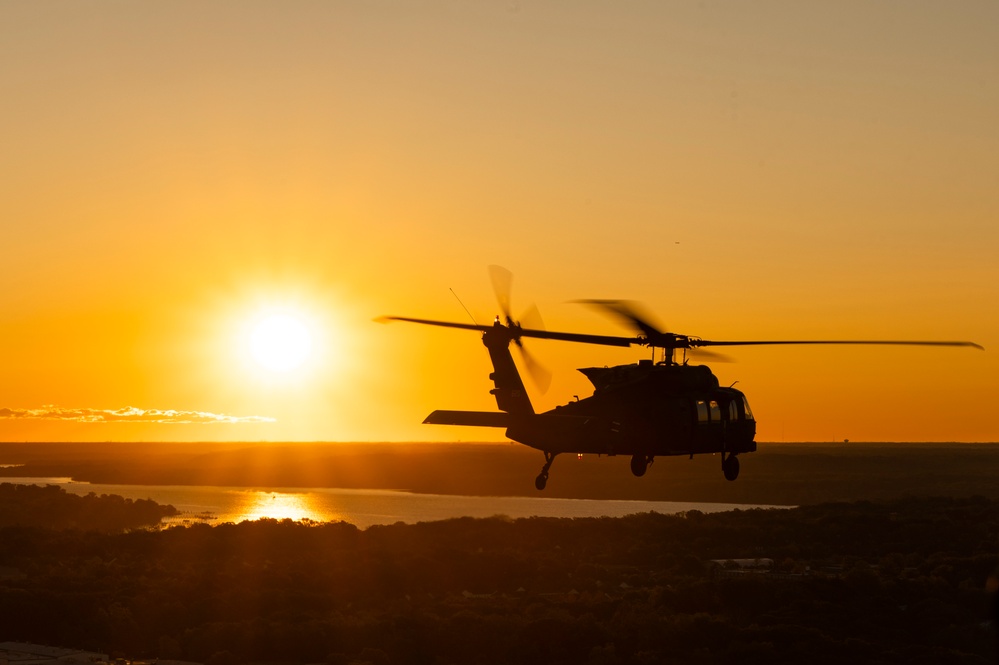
(57, 509)
(898, 582)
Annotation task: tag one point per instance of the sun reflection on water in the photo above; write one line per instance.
(281, 506)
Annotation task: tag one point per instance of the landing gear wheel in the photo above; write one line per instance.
(542, 478)
(639, 463)
(730, 467)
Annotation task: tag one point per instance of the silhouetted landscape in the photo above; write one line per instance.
(886, 559)
(898, 581)
(778, 474)
(32, 505)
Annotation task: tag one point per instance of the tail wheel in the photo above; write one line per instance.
(541, 481)
(730, 467)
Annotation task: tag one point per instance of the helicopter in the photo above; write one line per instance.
(658, 407)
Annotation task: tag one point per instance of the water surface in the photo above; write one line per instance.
(362, 508)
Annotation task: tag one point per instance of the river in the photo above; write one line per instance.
(363, 508)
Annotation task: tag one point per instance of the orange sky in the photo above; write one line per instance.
(172, 173)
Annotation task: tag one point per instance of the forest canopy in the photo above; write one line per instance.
(30, 505)
(893, 582)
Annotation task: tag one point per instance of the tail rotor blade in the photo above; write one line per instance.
(540, 374)
(502, 282)
(532, 318)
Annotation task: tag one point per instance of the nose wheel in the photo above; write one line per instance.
(730, 466)
(542, 480)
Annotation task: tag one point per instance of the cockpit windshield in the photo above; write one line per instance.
(745, 405)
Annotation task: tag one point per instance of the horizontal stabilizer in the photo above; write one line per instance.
(469, 418)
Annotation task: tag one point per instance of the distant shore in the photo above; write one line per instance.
(779, 473)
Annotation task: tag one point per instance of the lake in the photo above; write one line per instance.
(363, 508)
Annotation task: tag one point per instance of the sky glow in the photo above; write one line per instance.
(764, 170)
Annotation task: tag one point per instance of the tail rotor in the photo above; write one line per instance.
(502, 280)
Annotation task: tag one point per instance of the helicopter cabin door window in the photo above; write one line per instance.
(708, 411)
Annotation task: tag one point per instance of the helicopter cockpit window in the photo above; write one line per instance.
(749, 412)
(702, 411)
(714, 411)
(733, 411)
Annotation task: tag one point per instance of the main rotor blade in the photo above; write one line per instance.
(882, 342)
(610, 340)
(709, 356)
(630, 312)
(428, 322)
(605, 340)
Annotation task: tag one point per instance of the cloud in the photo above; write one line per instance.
(129, 414)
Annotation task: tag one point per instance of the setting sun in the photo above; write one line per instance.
(280, 342)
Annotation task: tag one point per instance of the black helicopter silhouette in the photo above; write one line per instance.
(663, 407)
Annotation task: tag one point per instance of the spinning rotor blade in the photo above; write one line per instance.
(502, 280)
(881, 342)
(502, 283)
(532, 318)
(540, 374)
(630, 313)
(708, 356)
(605, 340)
(428, 322)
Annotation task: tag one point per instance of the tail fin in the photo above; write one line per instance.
(509, 391)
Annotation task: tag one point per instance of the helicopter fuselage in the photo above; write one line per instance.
(644, 409)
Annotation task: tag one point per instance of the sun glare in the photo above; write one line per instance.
(279, 506)
(280, 342)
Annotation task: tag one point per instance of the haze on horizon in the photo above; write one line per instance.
(192, 194)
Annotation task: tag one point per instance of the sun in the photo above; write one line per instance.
(280, 342)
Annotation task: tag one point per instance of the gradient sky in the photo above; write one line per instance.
(172, 171)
